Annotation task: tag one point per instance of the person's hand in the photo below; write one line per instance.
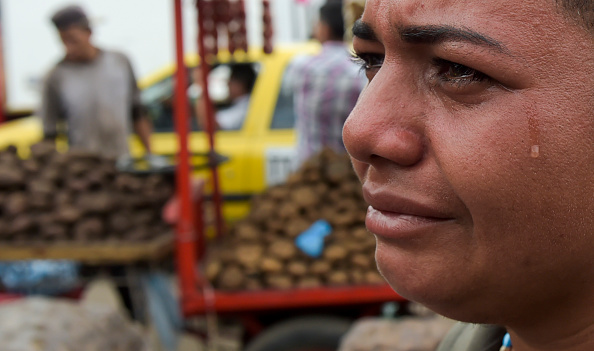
(124, 162)
(157, 161)
(195, 91)
(197, 75)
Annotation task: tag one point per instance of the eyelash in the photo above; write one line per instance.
(363, 60)
(469, 75)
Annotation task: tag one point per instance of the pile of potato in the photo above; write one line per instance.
(76, 196)
(260, 251)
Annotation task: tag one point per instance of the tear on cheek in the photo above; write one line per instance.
(534, 151)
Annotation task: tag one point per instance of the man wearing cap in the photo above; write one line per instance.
(93, 91)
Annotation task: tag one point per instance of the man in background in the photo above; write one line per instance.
(93, 91)
(241, 82)
(325, 86)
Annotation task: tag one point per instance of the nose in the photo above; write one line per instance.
(386, 124)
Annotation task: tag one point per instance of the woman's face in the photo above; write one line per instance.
(474, 141)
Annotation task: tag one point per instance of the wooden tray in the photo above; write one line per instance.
(115, 252)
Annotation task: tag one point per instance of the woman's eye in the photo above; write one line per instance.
(455, 73)
(368, 62)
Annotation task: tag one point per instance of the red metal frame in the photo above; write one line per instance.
(210, 125)
(254, 301)
(5, 298)
(185, 231)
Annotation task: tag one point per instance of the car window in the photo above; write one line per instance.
(158, 99)
(284, 113)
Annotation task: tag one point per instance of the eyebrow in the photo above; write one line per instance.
(431, 34)
(438, 34)
(363, 30)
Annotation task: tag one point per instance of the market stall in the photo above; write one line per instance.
(274, 275)
(253, 303)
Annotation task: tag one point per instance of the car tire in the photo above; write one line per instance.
(321, 333)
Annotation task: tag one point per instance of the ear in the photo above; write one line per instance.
(88, 34)
(322, 32)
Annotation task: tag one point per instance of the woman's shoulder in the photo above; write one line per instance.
(473, 337)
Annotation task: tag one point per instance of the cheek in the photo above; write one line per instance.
(480, 148)
(483, 154)
(514, 195)
(234, 88)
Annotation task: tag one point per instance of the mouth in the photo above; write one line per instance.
(394, 225)
(394, 217)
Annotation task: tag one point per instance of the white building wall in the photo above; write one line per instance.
(143, 29)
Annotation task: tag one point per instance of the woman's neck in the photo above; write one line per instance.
(561, 329)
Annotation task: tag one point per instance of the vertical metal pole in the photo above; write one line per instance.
(210, 124)
(185, 236)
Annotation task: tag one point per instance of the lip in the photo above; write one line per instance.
(396, 217)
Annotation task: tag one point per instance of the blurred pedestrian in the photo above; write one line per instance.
(93, 91)
(326, 86)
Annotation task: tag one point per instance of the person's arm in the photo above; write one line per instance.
(143, 128)
(200, 110)
(50, 111)
(140, 121)
(199, 104)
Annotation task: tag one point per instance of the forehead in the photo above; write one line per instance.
(498, 18)
(72, 30)
(535, 32)
(458, 8)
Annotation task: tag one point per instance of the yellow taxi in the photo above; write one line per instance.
(261, 153)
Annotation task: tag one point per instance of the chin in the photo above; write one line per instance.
(434, 284)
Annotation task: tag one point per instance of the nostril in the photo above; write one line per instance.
(402, 147)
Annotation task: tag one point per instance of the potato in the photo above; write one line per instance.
(283, 249)
(335, 253)
(88, 229)
(363, 261)
(247, 231)
(95, 202)
(305, 196)
(249, 255)
(297, 268)
(213, 269)
(279, 281)
(231, 278)
(297, 226)
(309, 282)
(11, 177)
(320, 268)
(338, 278)
(271, 265)
(373, 277)
(16, 203)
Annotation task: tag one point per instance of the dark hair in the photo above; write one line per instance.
(581, 10)
(71, 16)
(331, 15)
(245, 74)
